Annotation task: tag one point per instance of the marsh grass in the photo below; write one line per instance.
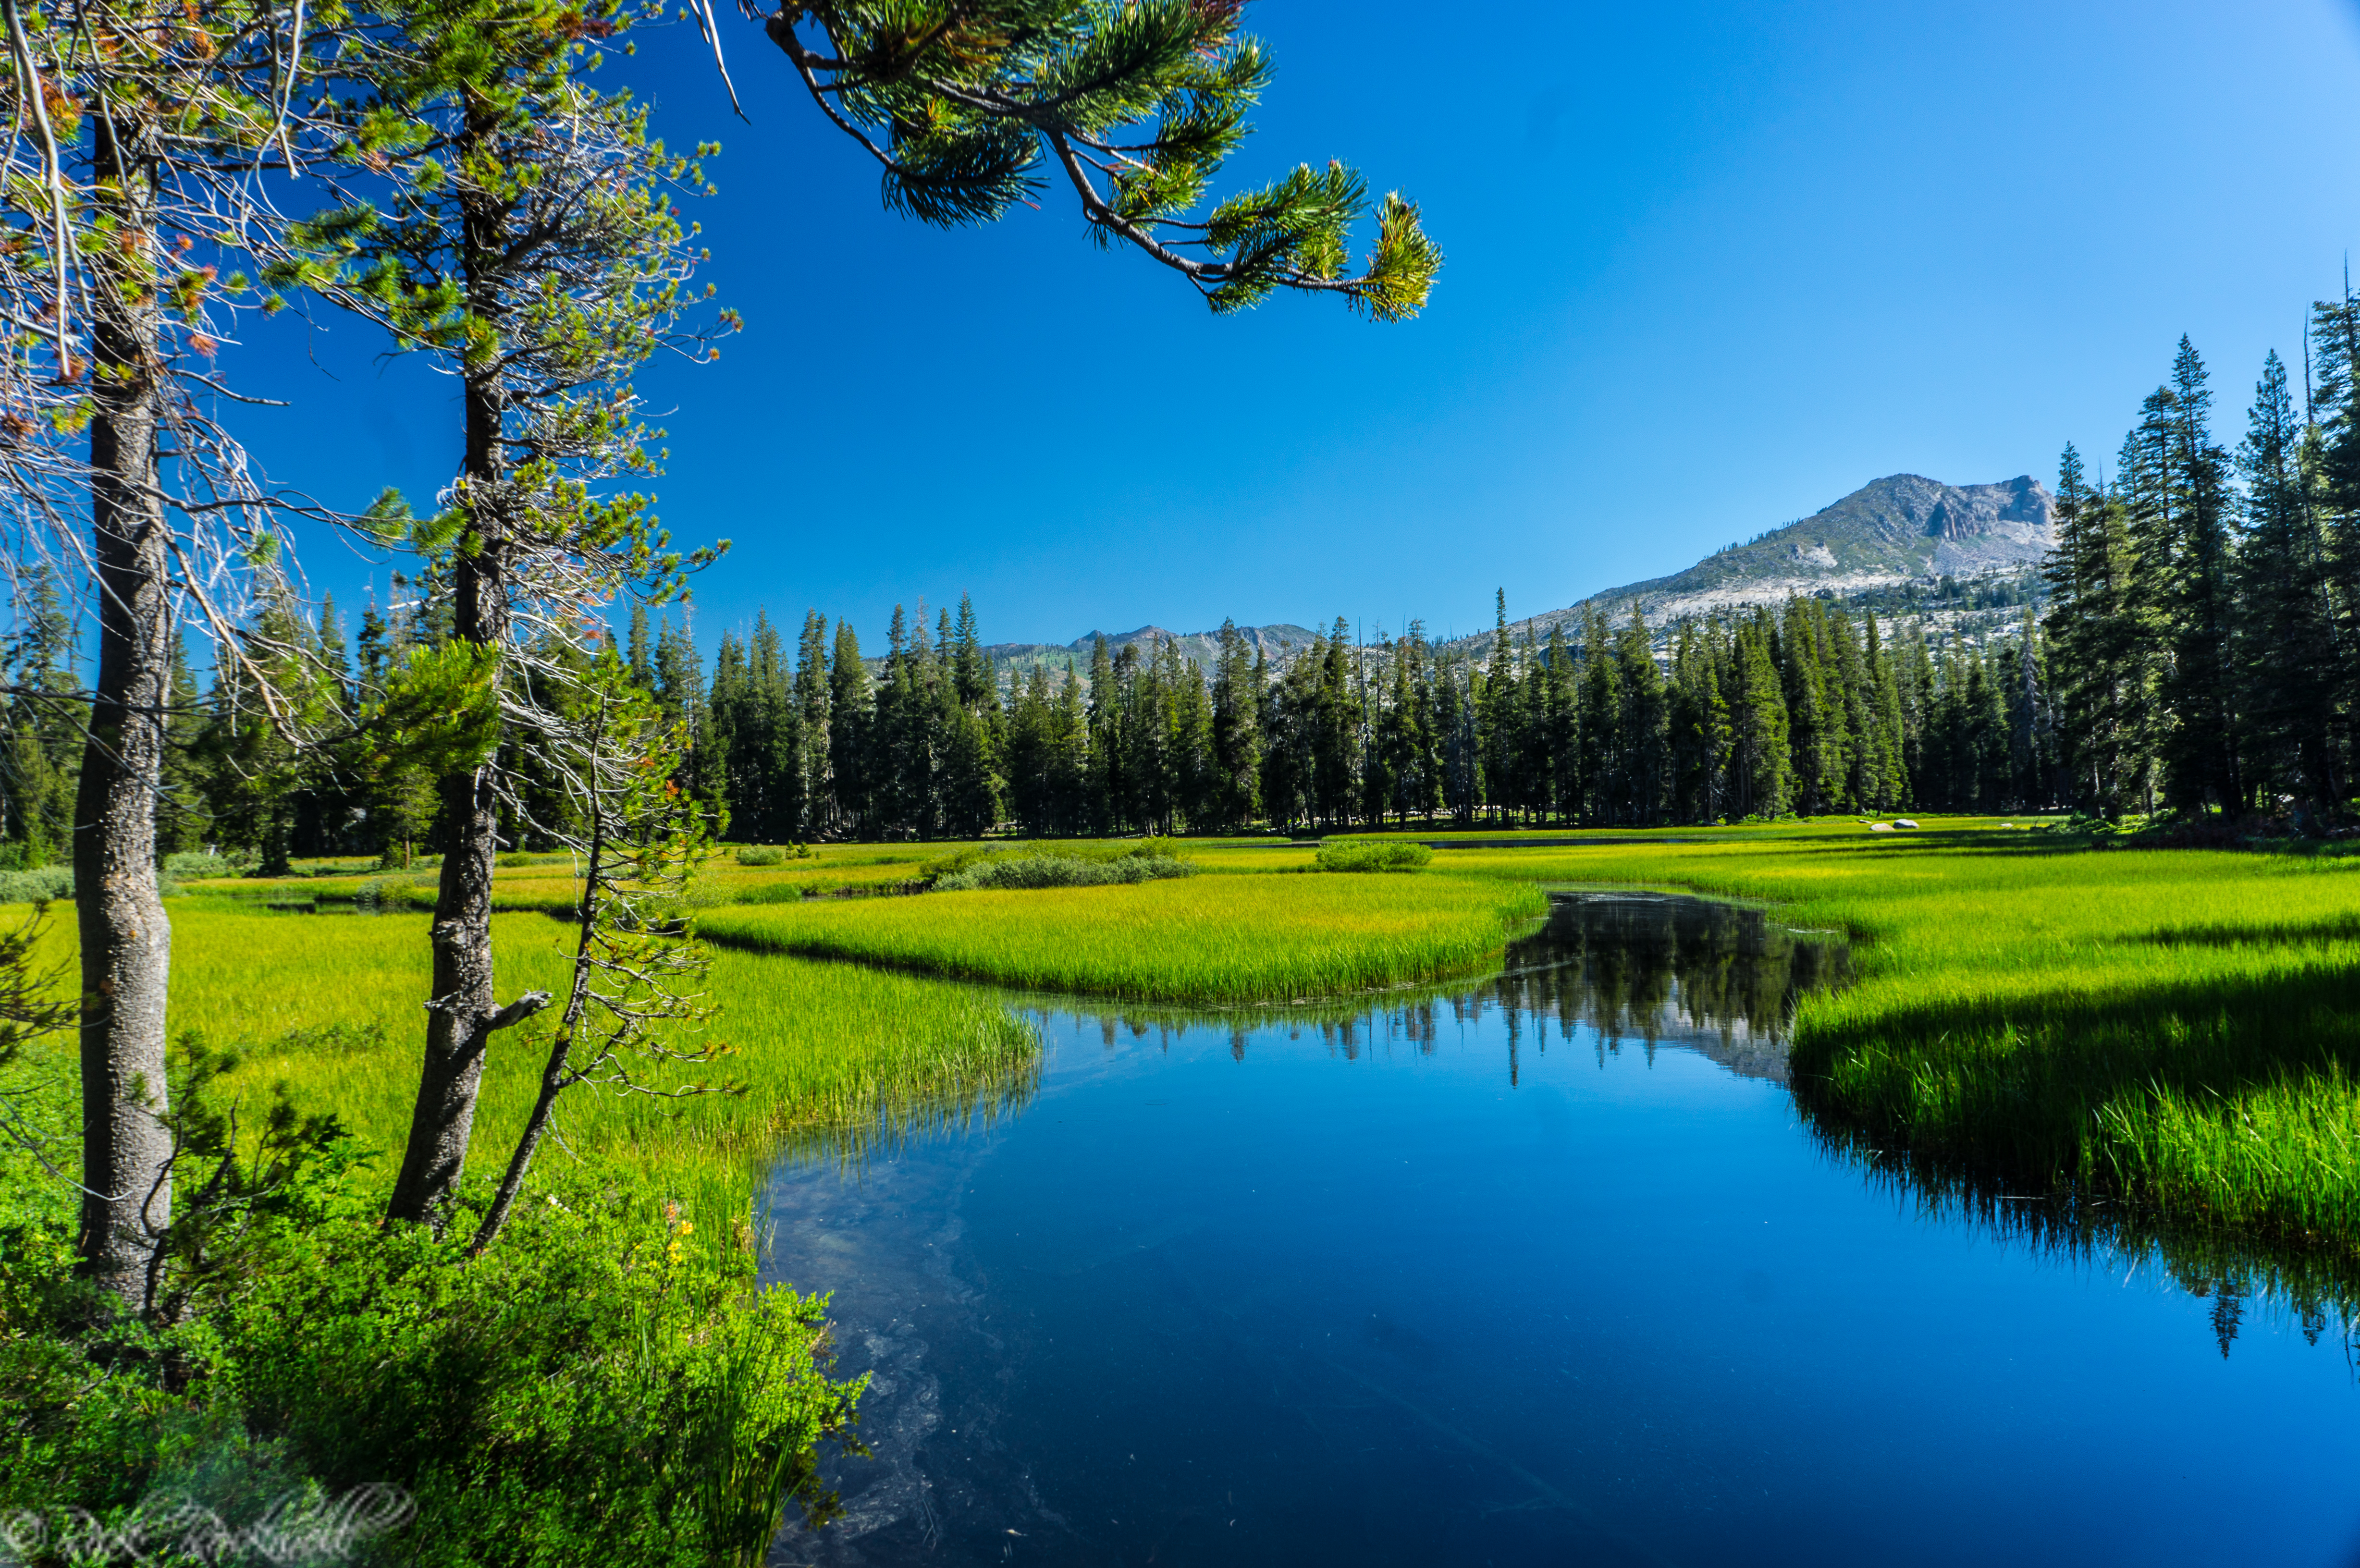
(1372, 855)
(1206, 938)
(2168, 1030)
(2177, 1029)
(832, 1059)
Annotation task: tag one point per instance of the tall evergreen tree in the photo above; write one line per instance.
(2097, 627)
(2285, 674)
(1236, 796)
(851, 722)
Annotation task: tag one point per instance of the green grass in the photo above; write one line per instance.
(2179, 1028)
(1372, 855)
(2031, 1014)
(1204, 939)
(831, 1057)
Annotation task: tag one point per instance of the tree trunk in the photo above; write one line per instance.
(463, 1013)
(460, 1013)
(126, 942)
(553, 1076)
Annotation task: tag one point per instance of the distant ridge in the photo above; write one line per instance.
(1891, 533)
(1279, 642)
(1900, 529)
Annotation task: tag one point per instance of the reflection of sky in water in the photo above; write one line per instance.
(1547, 1275)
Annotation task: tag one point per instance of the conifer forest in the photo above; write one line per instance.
(2191, 645)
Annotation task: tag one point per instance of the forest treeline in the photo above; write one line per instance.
(2203, 619)
(1759, 715)
(2194, 650)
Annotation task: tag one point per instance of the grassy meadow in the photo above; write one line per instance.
(830, 1056)
(2178, 1026)
(2031, 1013)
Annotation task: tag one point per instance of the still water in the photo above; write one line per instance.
(1549, 1271)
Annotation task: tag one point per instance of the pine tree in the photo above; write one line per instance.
(1761, 761)
(2330, 473)
(1498, 712)
(2201, 754)
(1236, 797)
(1697, 718)
(813, 707)
(1645, 724)
(2097, 627)
(1889, 783)
(851, 724)
(1102, 785)
(42, 754)
(1600, 774)
(1031, 755)
(1457, 701)
(183, 822)
(642, 665)
(1336, 743)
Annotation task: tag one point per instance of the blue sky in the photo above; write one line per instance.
(1709, 268)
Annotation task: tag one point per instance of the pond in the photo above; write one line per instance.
(1550, 1269)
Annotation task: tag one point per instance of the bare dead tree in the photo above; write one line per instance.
(135, 138)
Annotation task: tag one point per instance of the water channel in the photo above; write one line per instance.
(1547, 1269)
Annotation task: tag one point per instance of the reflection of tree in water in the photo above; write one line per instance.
(1651, 967)
(1724, 979)
(1720, 978)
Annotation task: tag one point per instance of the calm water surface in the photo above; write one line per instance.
(1548, 1273)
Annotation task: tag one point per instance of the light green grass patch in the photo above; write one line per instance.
(1226, 939)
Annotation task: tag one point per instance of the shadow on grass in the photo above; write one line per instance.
(2340, 928)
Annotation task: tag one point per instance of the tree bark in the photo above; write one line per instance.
(553, 1076)
(126, 942)
(463, 1013)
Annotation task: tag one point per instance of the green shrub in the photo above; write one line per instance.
(387, 894)
(1053, 868)
(196, 865)
(761, 854)
(32, 886)
(602, 1385)
(1371, 855)
(973, 855)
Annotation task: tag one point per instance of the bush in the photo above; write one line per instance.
(32, 886)
(980, 855)
(1372, 855)
(761, 854)
(382, 895)
(1060, 870)
(602, 1385)
(196, 865)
